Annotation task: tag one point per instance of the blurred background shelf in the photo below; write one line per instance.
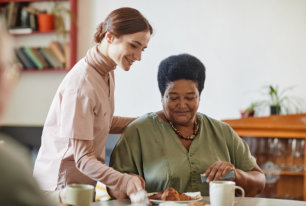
(274, 172)
(44, 70)
(21, 17)
(278, 143)
(35, 33)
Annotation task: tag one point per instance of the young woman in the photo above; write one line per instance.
(81, 115)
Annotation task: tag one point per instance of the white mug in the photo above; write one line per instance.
(222, 193)
(79, 194)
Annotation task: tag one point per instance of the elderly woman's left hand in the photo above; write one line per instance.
(218, 170)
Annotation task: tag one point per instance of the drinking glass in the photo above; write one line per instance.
(298, 156)
(289, 154)
(280, 153)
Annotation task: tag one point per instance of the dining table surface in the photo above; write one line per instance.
(239, 201)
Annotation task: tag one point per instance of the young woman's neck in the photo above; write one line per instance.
(104, 49)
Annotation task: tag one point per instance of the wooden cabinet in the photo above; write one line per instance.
(39, 39)
(285, 132)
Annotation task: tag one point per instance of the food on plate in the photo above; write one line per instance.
(170, 194)
(199, 203)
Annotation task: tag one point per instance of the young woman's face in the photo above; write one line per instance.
(127, 49)
(181, 101)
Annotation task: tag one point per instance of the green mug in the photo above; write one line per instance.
(79, 194)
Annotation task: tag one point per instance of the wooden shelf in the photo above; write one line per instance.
(293, 173)
(35, 33)
(278, 126)
(286, 126)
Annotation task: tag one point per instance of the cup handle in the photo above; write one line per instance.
(242, 193)
(241, 189)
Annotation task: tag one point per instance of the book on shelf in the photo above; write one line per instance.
(33, 21)
(33, 57)
(10, 14)
(51, 57)
(50, 65)
(24, 59)
(20, 59)
(37, 58)
(24, 17)
(58, 51)
(15, 20)
(19, 15)
(41, 58)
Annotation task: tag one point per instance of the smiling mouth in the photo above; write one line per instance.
(182, 113)
(129, 61)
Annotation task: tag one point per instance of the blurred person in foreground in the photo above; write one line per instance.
(173, 147)
(18, 187)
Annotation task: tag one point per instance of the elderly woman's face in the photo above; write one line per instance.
(181, 101)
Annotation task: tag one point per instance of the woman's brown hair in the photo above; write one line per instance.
(122, 21)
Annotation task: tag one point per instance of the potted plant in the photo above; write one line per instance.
(60, 12)
(279, 100)
(45, 22)
(250, 110)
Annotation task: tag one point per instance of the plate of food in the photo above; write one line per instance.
(171, 195)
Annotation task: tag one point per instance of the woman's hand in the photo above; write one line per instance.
(218, 170)
(135, 184)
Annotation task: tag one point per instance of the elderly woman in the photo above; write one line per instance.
(172, 147)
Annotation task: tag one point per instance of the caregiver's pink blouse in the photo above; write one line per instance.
(77, 126)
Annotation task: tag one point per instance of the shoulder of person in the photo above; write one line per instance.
(144, 122)
(81, 79)
(214, 122)
(141, 121)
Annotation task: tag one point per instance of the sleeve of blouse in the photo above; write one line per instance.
(77, 117)
(119, 124)
(240, 152)
(88, 164)
(126, 156)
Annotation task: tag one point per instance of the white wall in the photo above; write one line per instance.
(244, 44)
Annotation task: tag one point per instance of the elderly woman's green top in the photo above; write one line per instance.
(150, 148)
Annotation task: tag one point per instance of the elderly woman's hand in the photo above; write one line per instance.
(218, 170)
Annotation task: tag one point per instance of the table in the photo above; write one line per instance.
(247, 201)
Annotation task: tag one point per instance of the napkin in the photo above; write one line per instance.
(139, 198)
(230, 175)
